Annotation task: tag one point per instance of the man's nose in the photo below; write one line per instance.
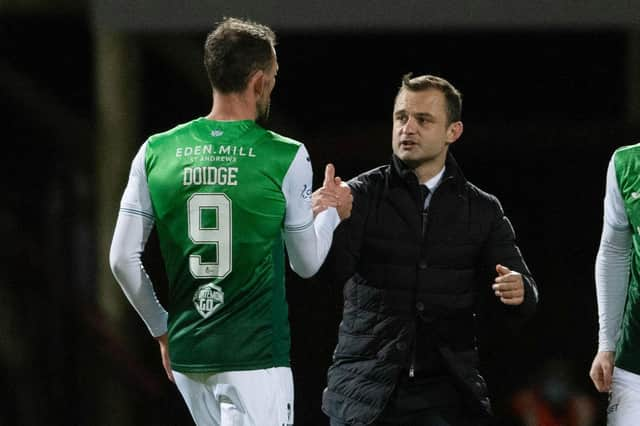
(409, 126)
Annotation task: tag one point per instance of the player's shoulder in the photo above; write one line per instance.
(278, 146)
(281, 139)
(627, 150)
(175, 132)
(627, 156)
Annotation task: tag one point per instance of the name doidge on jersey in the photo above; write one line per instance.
(209, 175)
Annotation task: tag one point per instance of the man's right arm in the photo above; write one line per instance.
(307, 236)
(612, 276)
(134, 224)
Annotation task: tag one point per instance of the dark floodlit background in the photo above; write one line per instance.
(544, 107)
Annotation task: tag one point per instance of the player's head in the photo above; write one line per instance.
(238, 53)
(426, 120)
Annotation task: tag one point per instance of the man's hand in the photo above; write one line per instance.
(602, 370)
(333, 193)
(509, 286)
(345, 199)
(163, 341)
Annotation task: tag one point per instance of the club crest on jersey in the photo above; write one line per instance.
(306, 192)
(208, 298)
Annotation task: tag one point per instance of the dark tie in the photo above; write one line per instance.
(424, 192)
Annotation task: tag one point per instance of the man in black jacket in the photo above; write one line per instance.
(421, 246)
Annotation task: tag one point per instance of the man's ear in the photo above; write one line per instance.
(257, 83)
(454, 131)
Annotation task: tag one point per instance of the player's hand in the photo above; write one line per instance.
(508, 286)
(333, 193)
(325, 196)
(163, 341)
(602, 370)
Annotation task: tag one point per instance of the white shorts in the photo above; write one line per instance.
(624, 401)
(239, 398)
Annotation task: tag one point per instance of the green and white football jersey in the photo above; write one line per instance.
(216, 191)
(627, 169)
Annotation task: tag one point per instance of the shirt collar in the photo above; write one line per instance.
(433, 183)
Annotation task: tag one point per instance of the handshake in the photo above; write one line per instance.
(333, 193)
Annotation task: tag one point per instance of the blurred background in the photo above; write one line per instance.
(550, 89)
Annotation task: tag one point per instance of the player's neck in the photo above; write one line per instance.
(232, 107)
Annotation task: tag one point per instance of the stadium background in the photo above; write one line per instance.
(550, 90)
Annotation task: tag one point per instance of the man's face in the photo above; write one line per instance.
(263, 104)
(420, 130)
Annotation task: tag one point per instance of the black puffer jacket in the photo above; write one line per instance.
(398, 281)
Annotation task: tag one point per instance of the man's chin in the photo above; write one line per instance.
(408, 158)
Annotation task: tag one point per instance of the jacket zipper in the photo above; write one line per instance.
(424, 216)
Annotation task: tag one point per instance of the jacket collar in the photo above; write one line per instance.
(452, 172)
(402, 182)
